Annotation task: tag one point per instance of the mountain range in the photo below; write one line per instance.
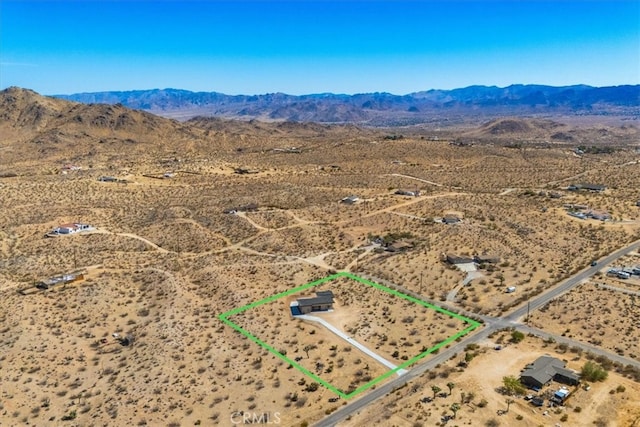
(381, 109)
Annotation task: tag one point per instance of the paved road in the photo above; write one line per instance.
(598, 351)
(390, 386)
(492, 325)
(570, 283)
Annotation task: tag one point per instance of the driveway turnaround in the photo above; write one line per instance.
(353, 342)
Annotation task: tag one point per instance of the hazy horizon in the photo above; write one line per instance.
(313, 47)
(322, 93)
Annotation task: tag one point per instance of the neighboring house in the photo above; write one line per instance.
(407, 193)
(455, 259)
(547, 368)
(450, 219)
(486, 259)
(71, 228)
(399, 246)
(251, 207)
(578, 215)
(575, 207)
(323, 301)
(590, 187)
(599, 215)
(56, 280)
(350, 200)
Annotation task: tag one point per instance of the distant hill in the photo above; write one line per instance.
(381, 109)
(46, 129)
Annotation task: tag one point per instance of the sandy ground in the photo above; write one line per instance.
(482, 379)
(172, 261)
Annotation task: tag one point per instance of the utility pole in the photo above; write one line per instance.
(421, 281)
(528, 306)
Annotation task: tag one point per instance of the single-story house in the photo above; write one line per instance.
(486, 259)
(599, 215)
(589, 187)
(578, 215)
(450, 219)
(399, 246)
(251, 207)
(323, 301)
(575, 207)
(547, 368)
(56, 280)
(350, 200)
(455, 259)
(70, 228)
(415, 193)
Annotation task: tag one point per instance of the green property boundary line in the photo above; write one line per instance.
(224, 317)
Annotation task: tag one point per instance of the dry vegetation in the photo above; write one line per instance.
(166, 260)
(475, 388)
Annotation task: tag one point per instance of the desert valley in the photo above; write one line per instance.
(213, 271)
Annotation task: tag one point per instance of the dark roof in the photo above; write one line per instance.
(567, 373)
(454, 259)
(592, 187)
(486, 259)
(544, 368)
(450, 219)
(325, 293)
(321, 298)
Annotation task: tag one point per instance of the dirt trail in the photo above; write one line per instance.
(131, 235)
(417, 179)
(401, 205)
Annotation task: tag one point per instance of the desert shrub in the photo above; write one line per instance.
(312, 386)
(593, 372)
(517, 336)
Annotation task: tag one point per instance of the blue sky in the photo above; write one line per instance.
(299, 47)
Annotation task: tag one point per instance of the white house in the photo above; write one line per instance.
(71, 228)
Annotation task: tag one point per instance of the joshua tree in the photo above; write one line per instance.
(509, 401)
(308, 348)
(454, 408)
(435, 390)
(450, 386)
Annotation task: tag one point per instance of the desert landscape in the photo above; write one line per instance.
(192, 219)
